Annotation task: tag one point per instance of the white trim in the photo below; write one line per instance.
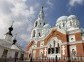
(73, 31)
(74, 42)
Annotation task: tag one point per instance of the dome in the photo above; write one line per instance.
(64, 18)
(47, 26)
(72, 17)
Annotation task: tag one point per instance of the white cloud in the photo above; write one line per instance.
(23, 13)
(18, 11)
(49, 3)
(76, 2)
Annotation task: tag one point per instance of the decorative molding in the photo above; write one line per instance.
(74, 42)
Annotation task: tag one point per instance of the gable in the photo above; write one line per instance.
(55, 33)
(30, 44)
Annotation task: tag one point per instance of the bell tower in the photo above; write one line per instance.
(40, 20)
(38, 25)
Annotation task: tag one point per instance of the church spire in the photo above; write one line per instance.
(10, 30)
(9, 34)
(41, 14)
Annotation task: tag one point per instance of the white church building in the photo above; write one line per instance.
(65, 39)
(9, 48)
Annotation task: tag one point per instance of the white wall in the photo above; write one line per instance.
(11, 53)
(34, 52)
(1, 51)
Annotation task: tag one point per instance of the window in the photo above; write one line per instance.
(34, 33)
(49, 50)
(40, 23)
(57, 50)
(50, 45)
(40, 34)
(54, 43)
(36, 24)
(52, 50)
(58, 44)
(71, 38)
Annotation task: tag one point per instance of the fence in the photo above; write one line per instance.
(65, 59)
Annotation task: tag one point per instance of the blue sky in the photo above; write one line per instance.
(57, 8)
(25, 12)
(62, 7)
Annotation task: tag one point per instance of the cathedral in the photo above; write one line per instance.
(65, 39)
(9, 48)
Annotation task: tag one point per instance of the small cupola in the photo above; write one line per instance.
(14, 42)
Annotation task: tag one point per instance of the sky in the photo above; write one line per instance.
(25, 12)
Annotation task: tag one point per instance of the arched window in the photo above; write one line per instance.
(50, 45)
(34, 33)
(58, 48)
(36, 24)
(40, 34)
(40, 23)
(49, 49)
(58, 44)
(54, 43)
